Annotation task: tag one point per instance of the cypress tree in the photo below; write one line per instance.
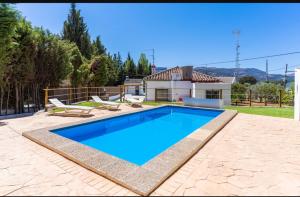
(76, 31)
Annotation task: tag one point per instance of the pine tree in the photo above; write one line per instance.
(130, 68)
(142, 68)
(112, 70)
(76, 31)
(149, 70)
(121, 69)
(98, 47)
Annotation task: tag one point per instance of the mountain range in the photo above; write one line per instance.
(229, 72)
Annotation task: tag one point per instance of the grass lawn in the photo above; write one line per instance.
(152, 103)
(157, 103)
(85, 103)
(89, 104)
(284, 112)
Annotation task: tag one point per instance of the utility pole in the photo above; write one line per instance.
(267, 71)
(237, 58)
(285, 75)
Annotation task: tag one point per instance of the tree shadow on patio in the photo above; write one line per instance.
(3, 124)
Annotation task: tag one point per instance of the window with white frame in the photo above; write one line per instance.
(213, 94)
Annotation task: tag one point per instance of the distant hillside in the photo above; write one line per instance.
(160, 69)
(229, 72)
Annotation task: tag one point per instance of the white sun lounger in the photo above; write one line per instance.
(114, 97)
(106, 104)
(83, 110)
(134, 102)
(134, 99)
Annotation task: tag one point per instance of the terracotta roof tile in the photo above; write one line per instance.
(166, 76)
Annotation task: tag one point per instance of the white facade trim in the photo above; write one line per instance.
(297, 95)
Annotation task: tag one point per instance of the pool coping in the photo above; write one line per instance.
(144, 179)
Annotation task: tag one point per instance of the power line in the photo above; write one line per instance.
(282, 68)
(253, 58)
(276, 69)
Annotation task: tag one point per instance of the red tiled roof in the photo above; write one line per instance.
(166, 76)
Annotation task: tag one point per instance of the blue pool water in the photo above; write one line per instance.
(140, 136)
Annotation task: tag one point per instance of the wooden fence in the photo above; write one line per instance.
(253, 99)
(75, 95)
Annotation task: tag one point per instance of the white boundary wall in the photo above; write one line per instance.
(297, 94)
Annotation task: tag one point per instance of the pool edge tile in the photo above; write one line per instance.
(142, 181)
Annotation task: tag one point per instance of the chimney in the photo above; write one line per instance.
(153, 69)
(187, 73)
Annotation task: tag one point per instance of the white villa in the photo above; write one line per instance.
(187, 83)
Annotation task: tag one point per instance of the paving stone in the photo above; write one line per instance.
(254, 155)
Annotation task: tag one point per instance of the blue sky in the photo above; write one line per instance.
(183, 34)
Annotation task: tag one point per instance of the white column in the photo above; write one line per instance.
(297, 94)
(193, 90)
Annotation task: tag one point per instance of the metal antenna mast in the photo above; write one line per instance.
(153, 57)
(237, 59)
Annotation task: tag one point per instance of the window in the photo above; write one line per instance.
(161, 95)
(213, 94)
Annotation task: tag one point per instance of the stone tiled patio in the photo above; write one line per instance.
(252, 155)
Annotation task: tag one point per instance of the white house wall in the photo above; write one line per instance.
(181, 88)
(200, 90)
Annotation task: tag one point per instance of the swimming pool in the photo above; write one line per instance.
(139, 137)
(139, 149)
